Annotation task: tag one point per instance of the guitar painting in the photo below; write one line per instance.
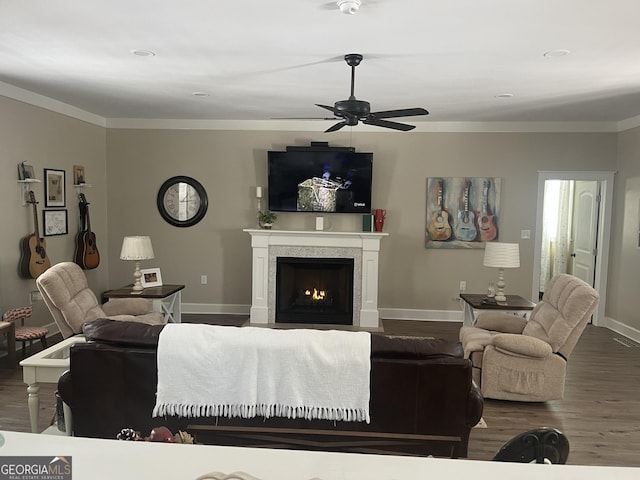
(439, 228)
(33, 249)
(87, 255)
(486, 223)
(465, 226)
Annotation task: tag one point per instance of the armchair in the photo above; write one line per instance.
(66, 293)
(515, 359)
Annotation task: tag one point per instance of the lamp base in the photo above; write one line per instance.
(137, 285)
(500, 297)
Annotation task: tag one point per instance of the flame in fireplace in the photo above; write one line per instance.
(316, 294)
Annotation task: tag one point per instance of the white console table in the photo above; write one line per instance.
(45, 367)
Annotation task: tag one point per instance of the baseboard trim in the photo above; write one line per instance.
(215, 309)
(421, 315)
(391, 313)
(622, 329)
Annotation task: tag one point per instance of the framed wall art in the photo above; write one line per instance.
(54, 188)
(54, 222)
(462, 212)
(78, 175)
(151, 277)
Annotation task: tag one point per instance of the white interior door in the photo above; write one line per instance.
(605, 207)
(585, 230)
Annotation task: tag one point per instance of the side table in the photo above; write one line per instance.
(474, 301)
(166, 299)
(45, 367)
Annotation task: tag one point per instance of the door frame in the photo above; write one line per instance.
(605, 211)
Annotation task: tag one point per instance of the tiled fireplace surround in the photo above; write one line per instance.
(363, 247)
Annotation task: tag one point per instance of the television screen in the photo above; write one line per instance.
(320, 181)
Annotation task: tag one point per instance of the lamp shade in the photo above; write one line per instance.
(501, 255)
(136, 248)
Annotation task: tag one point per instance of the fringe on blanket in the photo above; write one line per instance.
(267, 411)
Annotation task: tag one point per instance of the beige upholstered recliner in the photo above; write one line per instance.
(66, 293)
(518, 360)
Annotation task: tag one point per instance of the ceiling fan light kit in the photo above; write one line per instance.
(351, 111)
(349, 7)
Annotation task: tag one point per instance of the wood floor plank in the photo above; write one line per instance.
(600, 413)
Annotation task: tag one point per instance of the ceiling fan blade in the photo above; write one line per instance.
(335, 126)
(331, 109)
(304, 118)
(405, 112)
(386, 124)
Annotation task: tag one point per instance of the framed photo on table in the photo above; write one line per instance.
(54, 188)
(151, 277)
(25, 172)
(54, 222)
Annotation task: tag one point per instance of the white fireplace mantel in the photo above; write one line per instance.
(363, 247)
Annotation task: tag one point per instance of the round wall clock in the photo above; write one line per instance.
(182, 201)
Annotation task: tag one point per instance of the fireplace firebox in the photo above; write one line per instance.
(314, 290)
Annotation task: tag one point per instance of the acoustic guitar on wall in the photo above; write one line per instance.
(439, 227)
(87, 255)
(33, 249)
(465, 226)
(486, 223)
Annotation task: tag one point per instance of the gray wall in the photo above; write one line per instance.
(45, 139)
(127, 166)
(231, 164)
(624, 267)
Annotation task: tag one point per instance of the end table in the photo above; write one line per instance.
(476, 301)
(166, 299)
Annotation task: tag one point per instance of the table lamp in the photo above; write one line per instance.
(501, 256)
(137, 249)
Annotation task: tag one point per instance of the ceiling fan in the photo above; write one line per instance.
(352, 110)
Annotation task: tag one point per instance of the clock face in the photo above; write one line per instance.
(182, 201)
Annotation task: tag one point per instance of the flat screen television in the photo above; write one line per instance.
(330, 180)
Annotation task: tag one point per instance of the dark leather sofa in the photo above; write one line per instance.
(422, 398)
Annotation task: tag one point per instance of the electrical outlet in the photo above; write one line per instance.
(463, 286)
(203, 279)
(525, 234)
(35, 296)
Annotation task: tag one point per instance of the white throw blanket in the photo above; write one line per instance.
(206, 370)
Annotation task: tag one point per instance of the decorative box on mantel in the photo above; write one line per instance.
(362, 247)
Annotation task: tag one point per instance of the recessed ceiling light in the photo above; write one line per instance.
(143, 53)
(557, 53)
(200, 94)
(504, 95)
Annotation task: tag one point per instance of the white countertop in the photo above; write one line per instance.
(108, 459)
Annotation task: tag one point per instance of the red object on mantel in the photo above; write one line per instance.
(378, 218)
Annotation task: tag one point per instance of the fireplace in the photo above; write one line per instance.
(361, 248)
(314, 290)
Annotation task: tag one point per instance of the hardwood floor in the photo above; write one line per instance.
(600, 413)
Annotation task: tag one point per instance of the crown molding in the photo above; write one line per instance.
(629, 123)
(16, 93)
(37, 100)
(321, 125)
